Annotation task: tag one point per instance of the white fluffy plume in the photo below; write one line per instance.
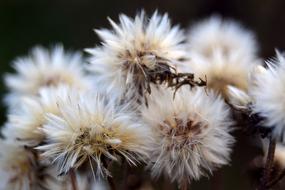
(44, 68)
(215, 34)
(223, 52)
(24, 125)
(134, 49)
(191, 133)
(93, 130)
(21, 169)
(269, 95)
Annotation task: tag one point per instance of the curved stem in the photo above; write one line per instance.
(268, 165)
(73, 179)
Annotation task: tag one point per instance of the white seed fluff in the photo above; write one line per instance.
(44, 68)
(133, 48)
(24, 125)
(20, 169)
(269, 95)
(223, 52)
(215, 34)
(191, 133)
(92, 130)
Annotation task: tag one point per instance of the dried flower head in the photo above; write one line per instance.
(24, 125)
(44, 68)
(137, 52)
(20, 169)
(269, 95)
(93, 131)
(215, 34)
(191, 133)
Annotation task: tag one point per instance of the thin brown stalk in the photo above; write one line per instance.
(125, 174)
(111, 183)
(276, 179)
(184, 185)
(268, 165)
(110, 179)
(73, 179)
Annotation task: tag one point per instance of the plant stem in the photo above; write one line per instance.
(125, 174)
(110, 180)
(73, 179)
(277, 179)
(184, 185)
(269, 164)
(111, 183)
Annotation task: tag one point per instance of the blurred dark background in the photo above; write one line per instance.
(25, 23)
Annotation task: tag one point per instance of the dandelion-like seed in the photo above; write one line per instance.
(223, 52)
(138, 52)
(24, 125)
(20, 169)
(93, 131)
(44, 68)
(269, 102)
(215, 34)
(191, 133)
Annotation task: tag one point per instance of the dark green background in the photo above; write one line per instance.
(25, 23)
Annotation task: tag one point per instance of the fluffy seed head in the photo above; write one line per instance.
(269, 95)
(191, 133)
(93, 131)
(44, 68)
(215, 34)
(135, 50)
(223, 52)
(21, 170)
(24, 125)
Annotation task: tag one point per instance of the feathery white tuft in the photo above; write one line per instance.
(223, 52)
(44, 68)
(20, 169)
(215, 34)
(269, 95)
(191, 132)
(92, 130)
(24, 125)
(133, 49)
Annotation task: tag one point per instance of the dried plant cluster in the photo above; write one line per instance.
(149, 96)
